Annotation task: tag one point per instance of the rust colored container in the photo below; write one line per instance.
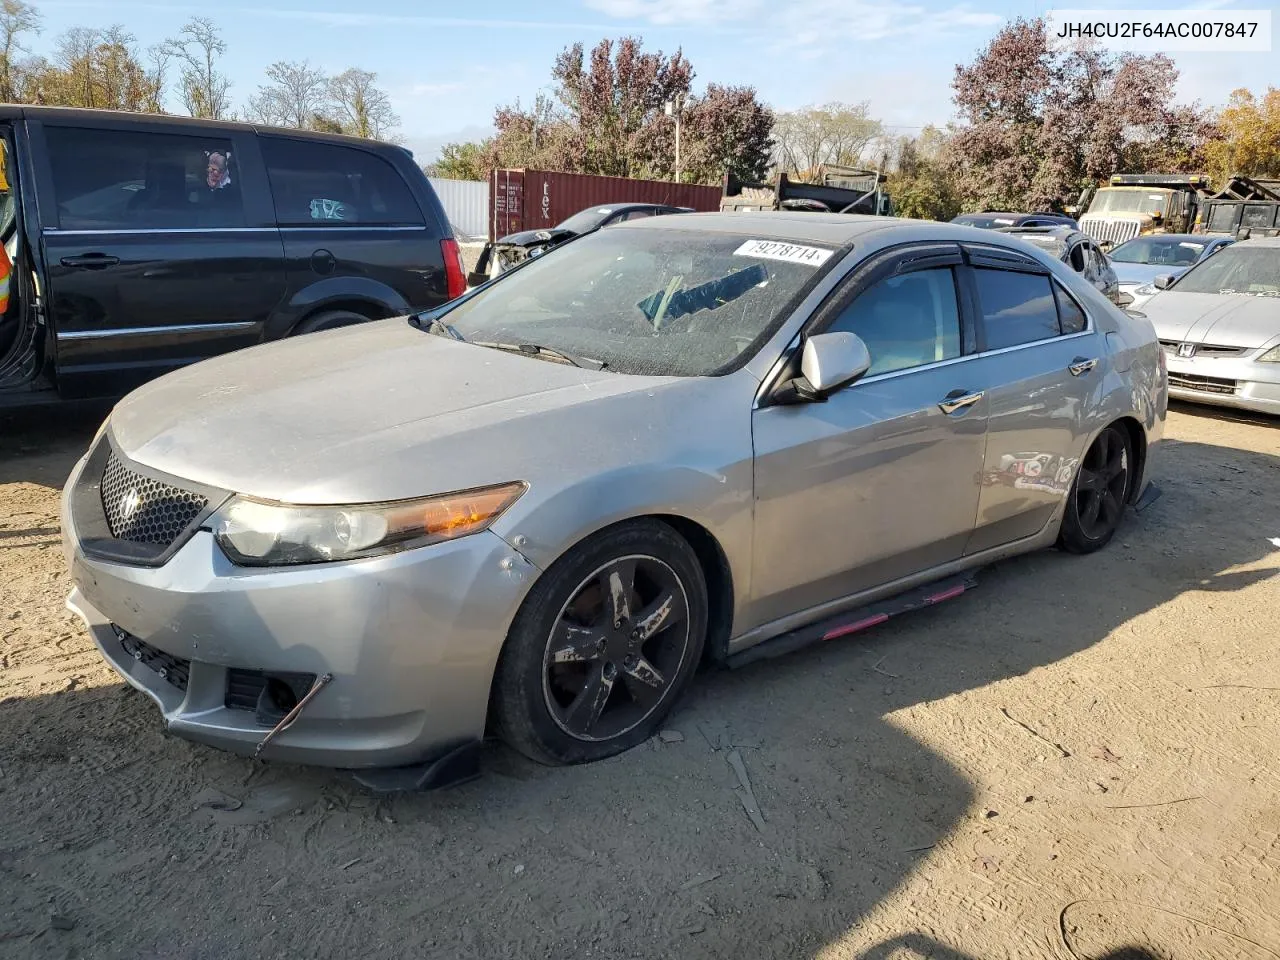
(538, 199)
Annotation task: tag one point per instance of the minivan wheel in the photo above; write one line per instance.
(1096, 503)
(603, 646)
(329, 320)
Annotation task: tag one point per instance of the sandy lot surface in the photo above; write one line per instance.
(1080, 755)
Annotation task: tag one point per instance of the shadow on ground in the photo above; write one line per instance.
(151, 847)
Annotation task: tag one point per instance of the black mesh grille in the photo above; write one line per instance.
(143, 510)
(173, 669)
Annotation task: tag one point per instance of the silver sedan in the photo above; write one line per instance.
(537, 510)
(1220, 324)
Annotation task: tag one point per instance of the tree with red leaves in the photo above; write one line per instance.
(1037, 126)
(607, 118)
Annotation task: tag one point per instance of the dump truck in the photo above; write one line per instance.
(1132, 204)
(1245, 207)
(836, 189)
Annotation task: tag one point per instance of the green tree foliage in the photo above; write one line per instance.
(1249, 141)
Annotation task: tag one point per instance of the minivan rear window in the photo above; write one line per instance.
(139, 180)
(327, 185)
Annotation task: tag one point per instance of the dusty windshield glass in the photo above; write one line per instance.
(1241, 270)
(1144, 202)
(660, 302)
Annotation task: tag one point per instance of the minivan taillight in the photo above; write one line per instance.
(455, 277)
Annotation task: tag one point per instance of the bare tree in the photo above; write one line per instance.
(296, 94)
(16, 19)
(361, 108)
(161, 56)
(204, 88)
(831, 133)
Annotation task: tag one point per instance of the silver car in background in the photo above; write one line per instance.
(1219, 323)
(537, 510)
(1139, 261)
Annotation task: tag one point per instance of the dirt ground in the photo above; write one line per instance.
(1078, 756)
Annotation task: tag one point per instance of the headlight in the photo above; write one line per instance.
(1271, 356)
(255, 533)
(1146, 290)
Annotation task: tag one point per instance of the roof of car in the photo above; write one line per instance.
(1258, 242)
(834, 229)
(1062, 231)
(72, 115)
(1179, 237)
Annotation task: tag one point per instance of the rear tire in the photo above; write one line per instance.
(603, 646)
(329, 320)
(1095, 506)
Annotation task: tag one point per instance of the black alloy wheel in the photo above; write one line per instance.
(616, 647)
(1099, 494)
(602, 647)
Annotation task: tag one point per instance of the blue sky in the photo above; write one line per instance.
(447, 65)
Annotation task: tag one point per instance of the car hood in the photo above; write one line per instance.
(380, 411)
(532, 238)
(1140, 273)
(1229, 320)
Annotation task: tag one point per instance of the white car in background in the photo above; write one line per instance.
(1219, 324)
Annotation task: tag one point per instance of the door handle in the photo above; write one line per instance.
(957, 401)
(91, 261)
(1081, 365)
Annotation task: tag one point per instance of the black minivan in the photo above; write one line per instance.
(141, 243)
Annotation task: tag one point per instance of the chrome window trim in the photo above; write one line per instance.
(54, 231)
(153, 331)
(342, 225)
(142, 231)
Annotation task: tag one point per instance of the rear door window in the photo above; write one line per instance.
(139, 180)
(327, 185)
(1017, 307)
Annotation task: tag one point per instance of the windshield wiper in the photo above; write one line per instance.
(433, 324)
(549, 353)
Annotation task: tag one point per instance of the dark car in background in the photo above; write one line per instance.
(998, 221)
(517, 247)
(143, 243)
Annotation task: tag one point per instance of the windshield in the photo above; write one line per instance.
(1143, 201)
(986, 221)
(658, 302)
(1253, 271)
(1173, 251)
(586, 220)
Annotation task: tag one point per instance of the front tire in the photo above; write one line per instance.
(603, 646)
(1095, 505)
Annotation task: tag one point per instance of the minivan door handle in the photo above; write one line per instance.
(1081, 365)
(90, 261)
(958, 401)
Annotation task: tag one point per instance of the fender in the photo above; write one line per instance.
(719, 502)
(335, 291)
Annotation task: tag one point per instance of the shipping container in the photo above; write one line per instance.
(466, 202)
(537, 199)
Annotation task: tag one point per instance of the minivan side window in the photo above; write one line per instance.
(905, 321)
(139, 180)
(1017, 307)
(327, 185)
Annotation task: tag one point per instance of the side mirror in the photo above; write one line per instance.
(1123, 299)
(1106, 246)
(1163, 282)
(828, 362)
